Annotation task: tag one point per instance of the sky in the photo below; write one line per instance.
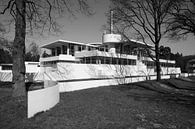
(90, 29)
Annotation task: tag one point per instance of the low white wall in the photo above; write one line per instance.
(69, 71)
(42, 100)
(184, 74)
(191, 74)
(80, 85)
(6, 76)
(165, 77)
(32, 68)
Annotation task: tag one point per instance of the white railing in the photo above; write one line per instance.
(103, 54)
(161, 60)
(56, 58)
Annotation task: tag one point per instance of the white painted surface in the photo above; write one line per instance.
(184, 74)
(80, 85)
(32, 67)
(71, 71)
(91, 53)
(6, 76)
(42, 100)
(56, 58)
(161, 60)
(191, 74)
(67, 71)
(112, 38)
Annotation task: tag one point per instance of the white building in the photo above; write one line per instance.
(76, 65)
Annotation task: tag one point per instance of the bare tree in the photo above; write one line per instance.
(33, 53)
(31, 15)
(145, 19)
(183, 21)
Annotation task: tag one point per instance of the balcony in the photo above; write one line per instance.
(61, 57)
(161, 60)
(103, 54)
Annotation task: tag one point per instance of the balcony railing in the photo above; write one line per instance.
(57, 58)
(103, 54)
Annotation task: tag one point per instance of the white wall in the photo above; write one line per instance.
(6, 76)
(67, 71)
(30, 68)
(80, 85)
(71, 71)
(42, 100)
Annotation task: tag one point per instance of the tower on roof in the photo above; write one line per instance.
(111, 39)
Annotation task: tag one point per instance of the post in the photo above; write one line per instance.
(111, 21)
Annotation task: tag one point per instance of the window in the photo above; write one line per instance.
(119, 61)
(107, 60)
(89, 48)
(114, 61)
(102, 60)
(79, 48)
(118, 48)
(64, 49)
(125, 61)
(83, 47)
(131, 62)
(101, 49)
(106, 48)
(93, 61)
(58, 51)
(72, 50)
(6, 67)
(53, 51)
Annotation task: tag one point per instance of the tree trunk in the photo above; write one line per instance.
(158, 69)
(18, 71)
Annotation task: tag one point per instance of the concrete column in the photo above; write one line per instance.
(68, 49)
(61, 49)
(56, 51)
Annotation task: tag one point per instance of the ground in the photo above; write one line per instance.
(115, 107)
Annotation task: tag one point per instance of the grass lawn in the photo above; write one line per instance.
(114, 107)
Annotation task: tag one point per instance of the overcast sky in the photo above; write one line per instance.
(89, 29)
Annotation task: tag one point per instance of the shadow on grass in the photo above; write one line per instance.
(172, 90)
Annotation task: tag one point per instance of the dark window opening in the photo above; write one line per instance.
(64, 49)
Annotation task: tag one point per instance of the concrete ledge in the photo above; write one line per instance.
(42, 100)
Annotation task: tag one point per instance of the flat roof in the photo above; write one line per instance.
(95, 43)
(139, 43)
(61, 42)
(92, 44)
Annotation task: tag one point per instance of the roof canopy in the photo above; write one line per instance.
(63, 42)
(135, 43)
(57, 43)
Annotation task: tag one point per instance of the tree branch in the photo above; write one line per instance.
(7, 7)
